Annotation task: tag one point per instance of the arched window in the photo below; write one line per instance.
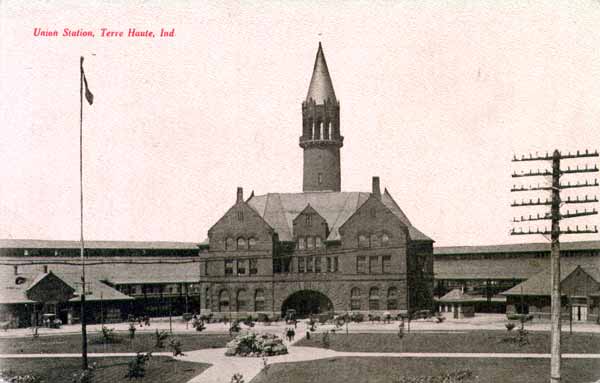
(310, 242)
(229, 244)
(375, 241)
(259, 300)
(329, 131)
(242, 301)
(252, 243)
(374, 298)
(392, 299)
(314, 131)
(363, 241)
(241, 244)
(385, 240)
(355, 298)
(224, 301)
(301, 243)
(321, 132)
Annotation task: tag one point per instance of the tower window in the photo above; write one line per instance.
(320, 178)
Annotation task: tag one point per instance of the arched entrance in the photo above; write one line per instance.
(307, 302)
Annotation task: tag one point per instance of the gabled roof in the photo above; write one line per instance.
(457, 295)
(321, 86)
(12, 293)
(280, 210)
(539, 284)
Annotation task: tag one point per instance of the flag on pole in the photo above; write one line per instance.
(88, 95)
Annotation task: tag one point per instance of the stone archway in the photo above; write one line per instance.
(307, 302)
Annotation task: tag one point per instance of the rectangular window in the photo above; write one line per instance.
(301, 243)
(317, 264)
(329, 266)
(310, 242)
(387, 264)
(301, 263)
(360, 264)
(320, 178)
(318, 242)
(253, 267)
(373, 264)
(242, 266)
(286, 265)
(308, 219)
(309, 264)
(240, 216)
(205, 268)
(229, 267)
(335, 264)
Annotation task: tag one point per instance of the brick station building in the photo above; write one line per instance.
(319, 250)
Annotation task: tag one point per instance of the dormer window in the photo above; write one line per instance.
(310, 242)
(252, 243)
(240, 216)
(385, 240)
(241, 243)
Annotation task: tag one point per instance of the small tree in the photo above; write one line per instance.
(160, 337)
(510, 326)
(237, 378)
(137, 367)
(108, 335)
(131, 330)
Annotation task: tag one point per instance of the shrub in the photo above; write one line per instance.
(357, 317)
(160, 337)
(175, 345)
(252, 344)
(137, 367)
(325, 340)
(249, 321)
(84, 376)
(11, 377)
(452, 377)
(264, 318)
(237, 378)
(186, 317)
(510, 326)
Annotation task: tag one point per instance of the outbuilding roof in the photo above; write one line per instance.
(539, 284)
(57, 244)
(515, 248)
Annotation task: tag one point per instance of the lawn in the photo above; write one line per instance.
(113, 370)
(142, 342)
(391, 370)
(469, 341)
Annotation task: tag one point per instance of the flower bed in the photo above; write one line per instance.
(254, 345)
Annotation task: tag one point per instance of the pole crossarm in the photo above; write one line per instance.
(531, 203)
(549, 157)
(533, 218)
(568, 170)
(578, 200)
(549, 232)
(567, 185)
(578, 214)
(538, 173)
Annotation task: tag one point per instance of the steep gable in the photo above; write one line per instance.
(373, 218)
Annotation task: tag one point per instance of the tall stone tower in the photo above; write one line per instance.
(321, 138)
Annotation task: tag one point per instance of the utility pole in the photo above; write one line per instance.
(555, 216)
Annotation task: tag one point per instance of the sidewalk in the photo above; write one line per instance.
(479, 322)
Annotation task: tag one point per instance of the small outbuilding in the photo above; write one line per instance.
(457, 302)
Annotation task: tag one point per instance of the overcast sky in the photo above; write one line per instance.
(435, 99)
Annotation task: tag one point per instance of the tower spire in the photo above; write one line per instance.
(321, 138)
(321, 86)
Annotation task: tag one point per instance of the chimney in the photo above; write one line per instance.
(240, 195)
(16, 269)
(376, 190)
